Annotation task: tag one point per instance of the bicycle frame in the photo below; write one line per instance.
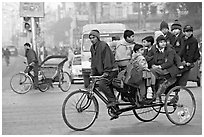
(131, 106)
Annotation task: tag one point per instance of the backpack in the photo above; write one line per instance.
(133, 75)
(123, 54)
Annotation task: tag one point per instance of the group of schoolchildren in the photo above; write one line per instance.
(165, 55)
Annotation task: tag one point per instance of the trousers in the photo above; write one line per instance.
(105, 85)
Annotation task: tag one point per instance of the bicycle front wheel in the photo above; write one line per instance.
(21, 83)
(180, 105)
(80, 110)
(65, 82)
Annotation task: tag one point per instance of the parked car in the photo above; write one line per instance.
(13, 50)
(76, 71)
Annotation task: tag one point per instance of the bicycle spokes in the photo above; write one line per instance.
(83, 103)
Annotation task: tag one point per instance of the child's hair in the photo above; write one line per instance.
(128, 33)
(137, 47)
(149, 39)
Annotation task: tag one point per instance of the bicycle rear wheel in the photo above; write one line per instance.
(148, 113)
(180, 105)
(43, 86)
(21, 83)
(79, 110)
(65, 82)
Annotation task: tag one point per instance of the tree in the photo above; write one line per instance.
(193, 12)
(59, 29)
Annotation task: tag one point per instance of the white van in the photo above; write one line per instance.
(107, 31)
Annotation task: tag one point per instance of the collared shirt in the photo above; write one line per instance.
(160, 50)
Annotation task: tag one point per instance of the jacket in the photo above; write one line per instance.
(191, 52)
(166, 60)
(123, 52)
(178, 44)
(31, 56)
(102, 58)
(170, 38)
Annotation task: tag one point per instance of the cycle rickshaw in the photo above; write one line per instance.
(80, 108)
(22, 82)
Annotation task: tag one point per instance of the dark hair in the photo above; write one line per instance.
(149, 39)
(160, 38)
(187, 28)
(128, 33)
(27, 44)
(137, 47)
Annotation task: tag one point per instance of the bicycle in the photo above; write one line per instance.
(80, 108)
(22, 82)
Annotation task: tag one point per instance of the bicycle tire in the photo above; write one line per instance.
(73, 107)
(43, 86)
(21, 79)
(65, 85)
(143, 114)
(180, 105)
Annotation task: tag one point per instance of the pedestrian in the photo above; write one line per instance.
(164, 28)
(32, 61)
(178, 44)
(190, 54)
(7, 56)
(103, 64)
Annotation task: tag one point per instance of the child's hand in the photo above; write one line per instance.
(146, 69)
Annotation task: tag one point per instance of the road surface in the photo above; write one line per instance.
(37, 113)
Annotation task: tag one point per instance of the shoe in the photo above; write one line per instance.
(114, 117)
(116, 114)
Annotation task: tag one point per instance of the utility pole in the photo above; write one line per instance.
(29, 11)
(33, 28)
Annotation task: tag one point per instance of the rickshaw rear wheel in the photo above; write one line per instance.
(148, 114)
(180, 105)
(65, 81)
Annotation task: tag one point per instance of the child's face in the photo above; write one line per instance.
(162, 44)
(141, 50)
(176, 31)
(164, 31)
(146, 43)
(188, 33)
(130, 39)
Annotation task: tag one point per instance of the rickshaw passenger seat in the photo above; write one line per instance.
(164, 77)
